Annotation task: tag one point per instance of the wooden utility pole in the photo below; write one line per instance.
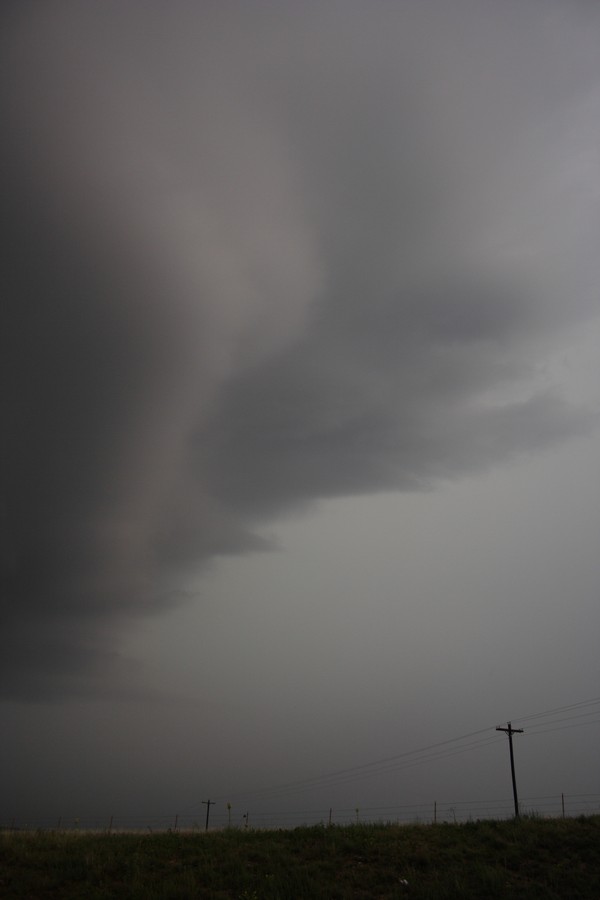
(208, 803)
(510, 731)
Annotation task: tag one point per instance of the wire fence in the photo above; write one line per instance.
(426, 813)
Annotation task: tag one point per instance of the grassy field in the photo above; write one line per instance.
(542, 858)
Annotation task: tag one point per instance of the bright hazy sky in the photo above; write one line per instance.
(301, 460)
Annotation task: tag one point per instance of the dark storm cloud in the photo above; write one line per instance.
(377, 405)
(256, 256)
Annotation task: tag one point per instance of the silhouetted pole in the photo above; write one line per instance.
(510, 731)
(208, 803)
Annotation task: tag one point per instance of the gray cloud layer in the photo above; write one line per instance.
(258, 255)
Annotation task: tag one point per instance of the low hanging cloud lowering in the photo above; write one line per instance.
(257, 255)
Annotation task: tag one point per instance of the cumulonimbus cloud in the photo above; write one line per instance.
(256, 257)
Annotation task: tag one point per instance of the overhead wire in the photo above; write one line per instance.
(559, 709)
(354, 772)
(419, 756)
(562, 728)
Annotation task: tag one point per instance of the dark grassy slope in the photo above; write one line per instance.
(531, 858)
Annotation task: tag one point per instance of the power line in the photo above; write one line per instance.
(558, 709)
(563, 728)
(326, 778)
(407, 759)
(593, 712)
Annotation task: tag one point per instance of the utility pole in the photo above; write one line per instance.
(510, 731)
(208, 804)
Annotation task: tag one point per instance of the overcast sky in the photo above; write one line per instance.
(301, 358)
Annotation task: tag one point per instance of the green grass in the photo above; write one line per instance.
(531, 858)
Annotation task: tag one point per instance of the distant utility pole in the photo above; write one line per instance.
(208, 804)
(510, 731)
